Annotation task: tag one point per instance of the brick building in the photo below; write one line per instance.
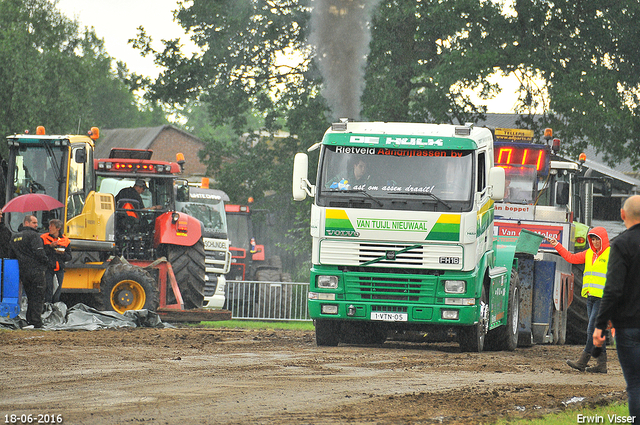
(165, 141)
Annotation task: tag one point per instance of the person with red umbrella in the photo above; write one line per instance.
(27, 247)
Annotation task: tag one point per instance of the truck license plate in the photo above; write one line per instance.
(389, 317)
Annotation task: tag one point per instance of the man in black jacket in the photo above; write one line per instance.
(28, 248)
(5, 238)
(133, 192)
(621, 301)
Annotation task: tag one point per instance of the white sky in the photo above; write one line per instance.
(116, 21)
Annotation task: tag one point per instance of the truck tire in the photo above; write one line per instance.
(127, 287)
(189, 268)
(506, 337)
(362, 333)
(327, 333)
(471, 338)
(577, 319)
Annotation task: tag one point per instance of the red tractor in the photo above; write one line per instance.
(144, 234)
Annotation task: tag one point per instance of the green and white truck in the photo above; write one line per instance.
(408, 245)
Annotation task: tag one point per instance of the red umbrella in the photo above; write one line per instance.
(32, 202)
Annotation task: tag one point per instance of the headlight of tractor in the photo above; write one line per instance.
(327, 282)
(455, 286)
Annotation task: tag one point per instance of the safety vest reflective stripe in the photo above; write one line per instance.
(595, 274)
(129, 206)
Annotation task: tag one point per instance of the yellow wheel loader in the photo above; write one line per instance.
(106, 271)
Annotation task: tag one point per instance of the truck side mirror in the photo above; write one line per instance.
(496, 182)
(300, 177)
(607, 188)
(182, 193)
(562, 193)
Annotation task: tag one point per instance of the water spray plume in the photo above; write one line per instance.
(340, 32)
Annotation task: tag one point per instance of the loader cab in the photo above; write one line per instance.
(58, 166)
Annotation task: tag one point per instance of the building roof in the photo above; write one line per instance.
(136, 138)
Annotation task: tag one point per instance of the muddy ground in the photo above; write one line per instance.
(200, 376)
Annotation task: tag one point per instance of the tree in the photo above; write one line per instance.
(587, 55)
(427, 56)
(56, 76)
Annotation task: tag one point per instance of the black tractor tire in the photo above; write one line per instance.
(286, 277)
(577, 319)
(471, 338)
(127, 287)
(327, 333)
(189, 268)
(268, 275)
(505, 337)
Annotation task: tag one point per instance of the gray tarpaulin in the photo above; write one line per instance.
(81, 317)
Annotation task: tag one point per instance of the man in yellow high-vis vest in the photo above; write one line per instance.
(595, 260)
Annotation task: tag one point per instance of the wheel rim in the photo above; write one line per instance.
(516, 311)
(127, 295)
(484, 314)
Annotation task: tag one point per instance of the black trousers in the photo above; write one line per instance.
(34, 285)
(50, 296)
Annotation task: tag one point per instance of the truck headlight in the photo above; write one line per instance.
(327, 282)
(449, 314)
(322, 296)
(329, 309)
(460, 301)
(455, 286)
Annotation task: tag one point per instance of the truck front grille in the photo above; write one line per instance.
(355, 253)
(212, 262)
(390, 288)
(390, 308)
(210, 285)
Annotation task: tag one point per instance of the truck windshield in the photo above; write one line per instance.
(209, 212)
(36, 169)
(436, 180)
(239, 225)
(520, 184)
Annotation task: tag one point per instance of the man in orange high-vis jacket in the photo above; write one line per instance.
(595, 260)
(56, 246)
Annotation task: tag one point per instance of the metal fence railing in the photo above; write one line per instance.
(267, 300)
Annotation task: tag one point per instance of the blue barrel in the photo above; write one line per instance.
(10, 288)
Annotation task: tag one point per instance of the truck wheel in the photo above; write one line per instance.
(189, 268)
(127, 287)
(362, 333)
(327, 333)
(471, 338)
(506, 337)
(577, 319)
(376, 334)
(559, 317)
